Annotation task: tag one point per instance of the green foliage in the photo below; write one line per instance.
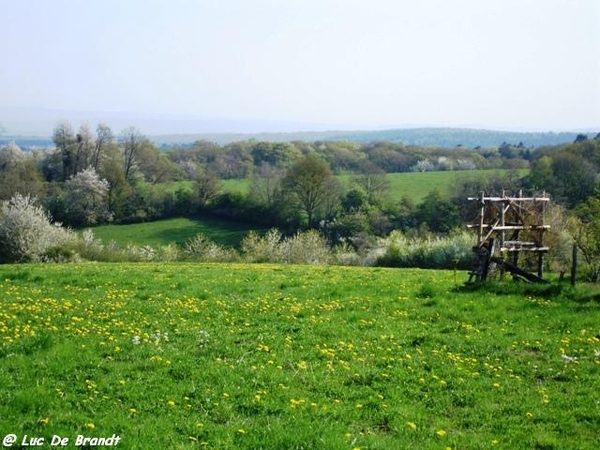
(569, 173)
(237, 356)
(19, 174)
(207, 188)
(438, 214)
(585, 228)
(310, 185)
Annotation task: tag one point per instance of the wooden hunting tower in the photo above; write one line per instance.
(508, 226)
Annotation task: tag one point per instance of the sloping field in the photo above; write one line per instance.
(177, 230)
(238, 356)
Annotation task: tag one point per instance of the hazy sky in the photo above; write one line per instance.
(508, 64)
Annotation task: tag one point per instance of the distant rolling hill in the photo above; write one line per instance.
(426, 137)
(429, 137)
(34, 126)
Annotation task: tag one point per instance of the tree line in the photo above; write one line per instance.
(95, 176)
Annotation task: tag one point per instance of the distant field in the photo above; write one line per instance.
(246, 357)
(177, 230)
(416, 185)
(413, 185)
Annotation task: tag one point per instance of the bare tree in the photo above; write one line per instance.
(266, 183)
(373, 181)
(130, 143)
(64, 139)
(208, 188)
(104, 137)
(85, 147)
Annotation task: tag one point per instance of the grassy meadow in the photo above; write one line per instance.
(412, 185)
(236, 356)
(177, 230)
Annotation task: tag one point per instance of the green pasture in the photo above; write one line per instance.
(176, 230)
(412, 185)
(237, 356)
(416, 185)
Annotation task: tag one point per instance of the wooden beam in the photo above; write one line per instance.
(525, 249)
(510, 199)
(517, 271)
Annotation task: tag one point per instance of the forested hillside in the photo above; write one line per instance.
(428, 137)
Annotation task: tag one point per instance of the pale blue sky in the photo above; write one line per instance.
(506, 64)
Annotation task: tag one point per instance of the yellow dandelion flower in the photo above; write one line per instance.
(90, 425)
(171, 403)
(441, 433)
(411, 425)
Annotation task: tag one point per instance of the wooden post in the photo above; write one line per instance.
(540, 267)
(488, 260)
(574, 266)
(502, 220)
(481, 219)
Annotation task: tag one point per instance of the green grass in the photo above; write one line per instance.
(413, 185)
(177, 230)
(416, 185)
(239, 186)
(239, 356)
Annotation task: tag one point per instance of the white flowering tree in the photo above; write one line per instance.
(86, 196)
(27, 232)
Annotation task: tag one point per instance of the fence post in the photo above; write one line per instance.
(574, 265)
